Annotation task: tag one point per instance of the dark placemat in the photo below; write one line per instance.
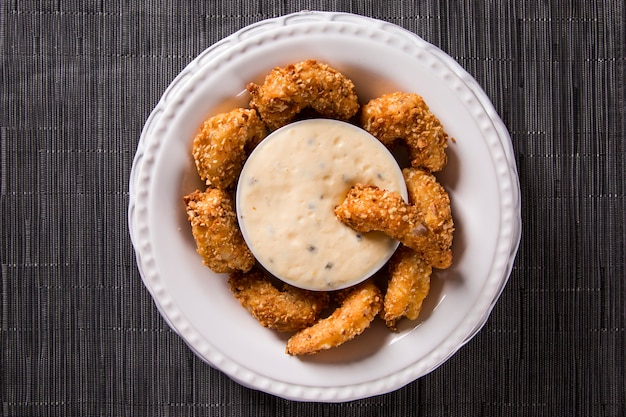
(80, 334)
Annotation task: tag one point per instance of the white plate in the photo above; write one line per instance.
(480, 177)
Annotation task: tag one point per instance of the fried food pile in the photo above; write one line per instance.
(424, 226)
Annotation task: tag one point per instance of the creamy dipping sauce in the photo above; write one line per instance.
(287, 193)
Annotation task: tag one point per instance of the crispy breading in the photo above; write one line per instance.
(367, 208)
(406, 117)
(215, 230)
(360, 305)
(286, 310)
(286, 91)
(409, 284)
(433, 202)
(423, 225)
(219, 148)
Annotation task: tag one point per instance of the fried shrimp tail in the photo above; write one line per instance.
(409, 284)
(406, 117)
(359, 307)
(215, 230)
(368, 208)
(286, 310)
(286, 91)
(219, 148)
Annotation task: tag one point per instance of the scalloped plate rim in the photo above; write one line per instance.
(331, 394)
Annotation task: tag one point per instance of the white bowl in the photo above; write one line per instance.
(279, 235)
(481, 179)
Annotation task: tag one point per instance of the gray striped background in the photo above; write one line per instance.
(79, 333)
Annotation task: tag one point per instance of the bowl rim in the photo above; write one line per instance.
(278, 134)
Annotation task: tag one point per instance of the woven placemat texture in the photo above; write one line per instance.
(79, 333)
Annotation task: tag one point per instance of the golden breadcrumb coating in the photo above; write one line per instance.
(286, 310)
(286, 91)
(219, 148)
(433, 203)
(409, 284)
(359, 307)
(367, 208)
(424, 225)
(215, 230)
(406, 117)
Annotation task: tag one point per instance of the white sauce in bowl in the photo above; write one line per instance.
(287, 193)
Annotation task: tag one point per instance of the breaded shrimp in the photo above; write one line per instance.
(367, 208)
(215, 230)
(308, 84)
(409, 284)
(433, 203)
(406, 117)
(219, 148)
(287, 310)
(360, 305)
